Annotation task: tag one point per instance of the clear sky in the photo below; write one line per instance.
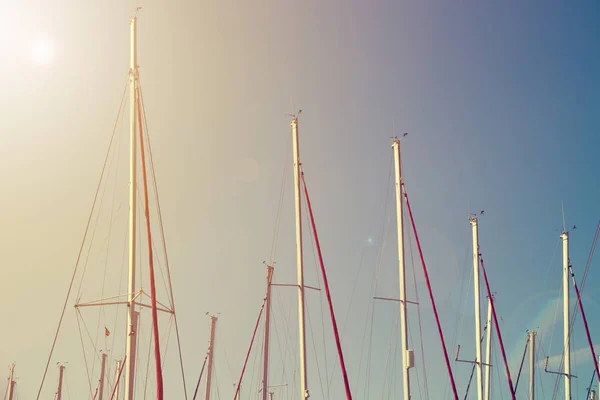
(500, 101)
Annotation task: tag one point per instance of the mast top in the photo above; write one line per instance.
(397, 139)
(295, 117)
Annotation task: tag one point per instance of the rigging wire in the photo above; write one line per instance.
(274, 241)
(118, 378)
(498, 380)
(123, 258)
(157, 356)
(462, 303)
(540, 350)
(249, 349)
(315, 243)
(495, 323)
(200, 377)
(84, 356)
(475, 362)
(371, 311)
(360, 264)
(522, 362)
(388, 356)
(585, 324)
(312, 336)
(79, 255)
(441, 335)
(107, 242)
(412, 261)
(327, 292)
(374, 278)
(162, 232)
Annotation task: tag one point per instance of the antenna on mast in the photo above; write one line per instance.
(562, 208)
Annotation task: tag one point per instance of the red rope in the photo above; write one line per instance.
(585, 324)
(437, 318)
(237, 389)
(159, 379)
(487, 285)
(118, 379)
(327, 293)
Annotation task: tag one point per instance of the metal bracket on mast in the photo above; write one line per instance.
(555, 372)
(103, 302)
(469, 361)
(274, 386)
(294, 285)
(397, 300)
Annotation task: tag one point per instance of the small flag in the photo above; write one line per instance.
(106, 331)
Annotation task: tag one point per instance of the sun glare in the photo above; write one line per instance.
(42, 51)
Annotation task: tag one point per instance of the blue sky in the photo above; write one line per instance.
(500, 104)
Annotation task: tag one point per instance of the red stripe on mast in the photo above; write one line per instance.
(327, 293)
(487, 285)
(237, 389)
(585, 324)
(437, 319)
(159, 378)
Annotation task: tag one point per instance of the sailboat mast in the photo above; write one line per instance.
(211, 353)
(402, 270)
(11, 382)
(265, 381)
(61, 370)
(532, 365)
(488, 352)
(131, 317)
(566, 314)
(478, 361)
(304, 394)
(101, 381)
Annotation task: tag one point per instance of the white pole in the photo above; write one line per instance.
(566, 314)
(265, 381)
(11, 382)
(592, 395)
(101, 382)
(402, 270)
(211, 351)
(61, 369)
(131, 326)
(478, 360)
(488, 352)
(302, 329)
(117, 380)
(532, 365)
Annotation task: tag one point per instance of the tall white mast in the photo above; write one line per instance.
(61, 369)
(304, 394)
(566, 315)
(402, 270)
(131, 323)
(211, 353)
(265, 381)
(532, 365)
(488, 352)
(11, 382)
(478, 361)
(101, 381)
